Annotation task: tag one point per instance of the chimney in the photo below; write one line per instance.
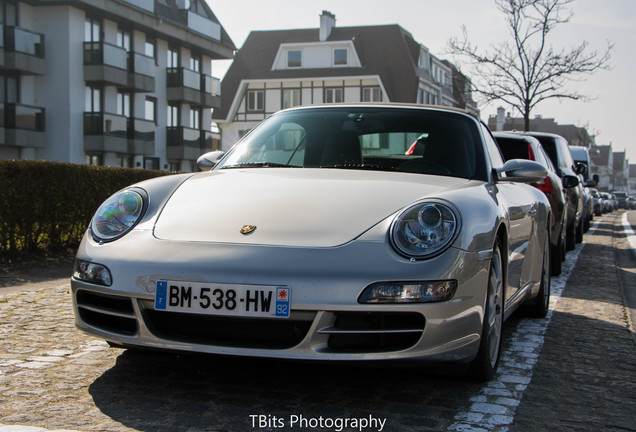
(327, 22)
(501, 112)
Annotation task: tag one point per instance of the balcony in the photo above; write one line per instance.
(22, 125)
(112, 65)
(187, 18)
(189, 144)
(148, 5)
(104, 132)
(203, 25)
(195, 88)
(23, 51)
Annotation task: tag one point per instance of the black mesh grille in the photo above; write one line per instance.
(375, 332)
(227, 331)
(109, 313)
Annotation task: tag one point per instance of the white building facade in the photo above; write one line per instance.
(117, 82)
(275, 70)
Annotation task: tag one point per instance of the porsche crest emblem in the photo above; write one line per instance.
(247, 229)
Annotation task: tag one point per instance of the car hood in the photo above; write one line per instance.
(290, 207)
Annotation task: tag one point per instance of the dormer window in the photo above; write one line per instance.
(340, 57)
(424, 59)
(294, 58)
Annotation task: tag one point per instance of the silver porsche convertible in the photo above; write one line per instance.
(336, 232)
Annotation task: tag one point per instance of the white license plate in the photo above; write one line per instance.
(219, 299)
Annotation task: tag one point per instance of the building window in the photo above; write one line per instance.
(9, 89)
(371, 94)
(334, 95)
(255, 100)
(126, 161)
(424, 60)
(151, 163)
(197, 7)
(92, 30)
(93, 99)
(94, 160)
(123, 104)
(340, 57)
(195, 63)
(195, 118)
(8, 14)
(427, 97)
(291, 98)
(150, 109)
(376, 141)
(173, 116)
(149, 47)
(123, 39)
(173, 57)
(294, 58)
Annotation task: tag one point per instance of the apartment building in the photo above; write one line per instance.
(111, 82)
(286, 68)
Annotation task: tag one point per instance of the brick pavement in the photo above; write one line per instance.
(585, 378)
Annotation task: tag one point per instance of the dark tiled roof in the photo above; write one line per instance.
(619, 160)
(388, 51)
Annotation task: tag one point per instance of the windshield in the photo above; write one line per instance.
(386, 139)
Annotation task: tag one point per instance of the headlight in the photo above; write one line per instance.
(409, 292)
(424, 230)
(93, 273)
(117, 215)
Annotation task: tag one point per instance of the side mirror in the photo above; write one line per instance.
(570, 181)
(596, 178)
(591, 183)
(522, 170)
(207, 161)
(581, 168)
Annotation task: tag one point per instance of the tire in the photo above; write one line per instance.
(556, 259)
(484, 366)
(563, 248)
(570, 237)
(579, 232)
(539, 306)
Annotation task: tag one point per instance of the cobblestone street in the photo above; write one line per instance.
(574, 371)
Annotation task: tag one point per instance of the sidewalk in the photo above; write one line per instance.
(35, 274)
(585, 378)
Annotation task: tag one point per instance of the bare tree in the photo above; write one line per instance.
(527, 70)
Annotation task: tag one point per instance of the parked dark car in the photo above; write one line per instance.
(581, 158)
(621, 199)
(598, 202)
(516, 146)
(559, 152)
(608, 202)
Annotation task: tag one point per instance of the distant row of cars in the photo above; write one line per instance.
(605, 202)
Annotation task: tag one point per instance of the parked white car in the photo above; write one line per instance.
(317, 237)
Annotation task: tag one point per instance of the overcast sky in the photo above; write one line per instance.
(432, 23)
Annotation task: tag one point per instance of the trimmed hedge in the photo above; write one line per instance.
(48, 205)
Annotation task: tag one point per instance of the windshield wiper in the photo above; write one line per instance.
(258, 165)
(370, 167)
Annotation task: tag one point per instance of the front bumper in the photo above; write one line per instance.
(326, 321)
